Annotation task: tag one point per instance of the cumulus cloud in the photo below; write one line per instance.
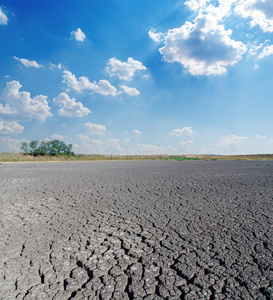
(204, 46)
(28, 63)
(156, 36)
(93, 128)
(183, 131)
(137, 131)
(202, 49)
(78, 35)
(10, 128)
(268, 50)
(124, 70)
(69, 107)
(129, 90)
(259, 11)
(20, 106)
(102, 87)
(3, 18)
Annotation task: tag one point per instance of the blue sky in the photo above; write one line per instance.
(138, 77)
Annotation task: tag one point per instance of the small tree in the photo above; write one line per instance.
(24, 148)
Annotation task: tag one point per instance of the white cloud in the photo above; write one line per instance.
(57, 137)
(260, 136)
(127, 140)
(204, 46)
(9, 144)
(53, 66)
(226, 141)
(78, 35)
(3, 18)
(10, 128)
(97, 129)
(28, 63)
(137, 131)
(196, 4)
(186, 143)
(7, 110)
(253, 50)
(69, 107)
(7, 76)
(268, 50)
(259, 11)
(156, 36)
(183, 131)
(129, 90)
(124, 70)
(202, 49)
(103, 87)
(20, 106)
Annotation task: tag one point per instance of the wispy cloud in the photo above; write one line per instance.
(53, 66)
(268, 50)
(3, 17)
(28, 63)
(136, 131)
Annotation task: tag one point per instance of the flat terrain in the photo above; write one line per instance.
(136, 229)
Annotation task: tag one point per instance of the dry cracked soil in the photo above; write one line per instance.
(136, 230)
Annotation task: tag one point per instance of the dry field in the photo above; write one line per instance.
(136, 230)
(18, 157)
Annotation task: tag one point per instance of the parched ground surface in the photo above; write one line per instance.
(134, 230)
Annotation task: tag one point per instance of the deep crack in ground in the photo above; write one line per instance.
(134, 230)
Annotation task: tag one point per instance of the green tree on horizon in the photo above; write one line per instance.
(51, 148)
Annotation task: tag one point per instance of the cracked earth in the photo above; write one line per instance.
(136, 230)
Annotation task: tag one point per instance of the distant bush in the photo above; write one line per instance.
(51, 148)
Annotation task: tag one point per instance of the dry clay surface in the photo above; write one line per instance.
(136, 230)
